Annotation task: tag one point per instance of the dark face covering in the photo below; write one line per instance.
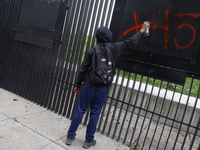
(103, 35)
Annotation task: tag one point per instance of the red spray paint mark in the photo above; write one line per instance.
(165, 27)
(184, 24)
(136, 27)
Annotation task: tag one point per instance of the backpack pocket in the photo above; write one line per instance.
(104, 75)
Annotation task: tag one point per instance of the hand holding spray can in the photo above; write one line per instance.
(146, 32)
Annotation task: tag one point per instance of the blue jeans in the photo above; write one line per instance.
(96, 97)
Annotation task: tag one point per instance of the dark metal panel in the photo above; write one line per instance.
(42, 19)
(159, 72)
(34, 40)
(41, 14)
(174, 32)
(6, 38)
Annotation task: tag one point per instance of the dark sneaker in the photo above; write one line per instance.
(89, 144)
(69, 140)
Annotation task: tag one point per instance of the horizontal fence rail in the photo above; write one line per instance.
(140, 112)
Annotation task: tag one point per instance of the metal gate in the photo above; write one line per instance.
(39, 59)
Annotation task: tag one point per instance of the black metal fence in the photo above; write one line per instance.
(140, 111)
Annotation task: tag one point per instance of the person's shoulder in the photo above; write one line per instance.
(90, 51)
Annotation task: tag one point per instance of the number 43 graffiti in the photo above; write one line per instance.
(166, 27)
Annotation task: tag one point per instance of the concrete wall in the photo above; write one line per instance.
(167, 103)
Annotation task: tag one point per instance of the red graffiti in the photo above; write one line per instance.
(166, 27)
(186, 25)
(136, 27)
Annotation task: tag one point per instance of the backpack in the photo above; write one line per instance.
(103, 66)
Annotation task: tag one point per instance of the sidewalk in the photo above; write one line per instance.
(27, 126)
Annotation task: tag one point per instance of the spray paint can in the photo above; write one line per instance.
(146, 32)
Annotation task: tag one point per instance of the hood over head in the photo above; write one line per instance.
(103, 34)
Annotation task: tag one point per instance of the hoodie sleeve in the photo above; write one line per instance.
(85, 66)
(119, 47)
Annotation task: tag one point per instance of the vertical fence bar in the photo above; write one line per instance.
(159, 115)
(195, 133)
(123, 100)
(9, 46)
(132, 90)
(16, 67)
(110, 12)
(135, 103)
(145, 113)
(116, 104)
(190, 121)
(19, 68)
(139, 112)
(152, 115)
(166, 116)
(24, 81)
(183, 114)
(132, 111)
(174, 119)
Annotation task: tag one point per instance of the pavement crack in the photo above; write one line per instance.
(6, 116)
(15, 119)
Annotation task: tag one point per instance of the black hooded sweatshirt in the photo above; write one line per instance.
(103, 35)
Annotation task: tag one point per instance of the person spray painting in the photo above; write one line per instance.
(91, 93)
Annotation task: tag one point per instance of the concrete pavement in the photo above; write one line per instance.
(27, 126)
